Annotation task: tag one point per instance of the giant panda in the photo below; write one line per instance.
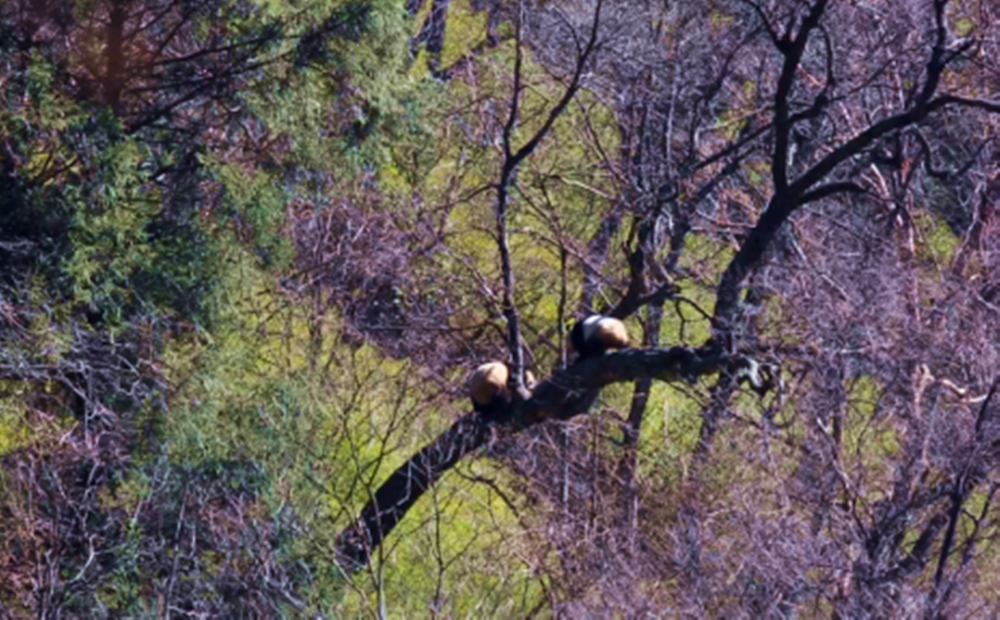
(489, 389)
(596, 335)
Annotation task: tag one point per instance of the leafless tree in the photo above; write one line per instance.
(821, 142)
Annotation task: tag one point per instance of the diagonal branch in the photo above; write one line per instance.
(565, 394)
(782, 205)
(513, 159)
(792, 51)
(764, 21)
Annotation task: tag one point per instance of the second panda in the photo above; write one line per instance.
(596, 335)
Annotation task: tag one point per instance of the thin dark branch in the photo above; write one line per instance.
(937, 62)
(503, 199)
(510, 164)
(825, 191)
(764, 20)
(963, 486)
(571, 90)
(967, 102)
(792, 51)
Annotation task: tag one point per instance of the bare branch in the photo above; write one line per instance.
(510, 164)
(828, 190)
(765, 21)
(792, 51)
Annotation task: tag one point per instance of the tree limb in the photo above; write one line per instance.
(963, 486)
(563, 395)
(792, 51)
(826, 191)
(783, 204)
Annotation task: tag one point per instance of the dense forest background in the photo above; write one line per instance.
(250, 251)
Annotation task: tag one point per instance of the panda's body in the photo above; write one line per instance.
(489, 388)
(596, 335)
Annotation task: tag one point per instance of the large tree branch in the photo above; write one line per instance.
(783, 205)
(787, 198)
(792, 51)
(565, 394)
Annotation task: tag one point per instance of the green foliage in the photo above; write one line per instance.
(939, 243)
(469, 539)
(95, 248)
(465, 30)
(14, 432)
(123, 592)
(353, 99)
(964, 26)
(82, 199)
(256, 391)
(870, 440)
(256, 208)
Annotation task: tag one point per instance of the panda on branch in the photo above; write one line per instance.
(596, 335)
(489, 387)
